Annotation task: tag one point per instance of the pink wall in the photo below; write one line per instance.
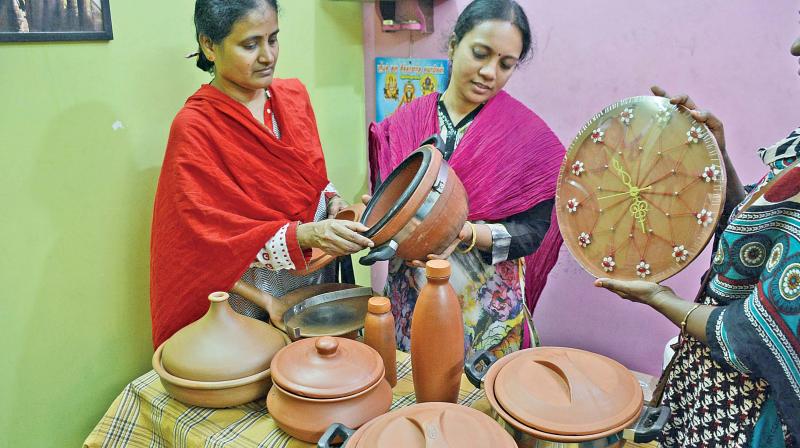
(732, 56)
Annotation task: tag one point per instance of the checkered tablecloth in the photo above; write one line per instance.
(144, 415)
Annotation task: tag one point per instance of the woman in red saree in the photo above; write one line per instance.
(508, 160)
(243, 191)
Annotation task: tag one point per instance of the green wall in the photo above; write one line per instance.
(77, 194)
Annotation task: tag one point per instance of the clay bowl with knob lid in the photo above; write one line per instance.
(320, 381)
(423, 425)
(564, 397)
(418, 210)
(220, 360)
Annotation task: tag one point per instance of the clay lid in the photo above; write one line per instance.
(567, 391)
(326, 367)
(221, 345)
(434, 424)
(437, 268)
(379, 305)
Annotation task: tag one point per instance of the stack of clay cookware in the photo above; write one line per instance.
(425, 425)
(558, 397)
(320, 381)
(418, 210)
(221, 360)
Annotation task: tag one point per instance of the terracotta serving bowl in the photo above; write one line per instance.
(222, 359)
(213, 394)
(418, 210)
(320, 381)
(563, 397)
(423, 425)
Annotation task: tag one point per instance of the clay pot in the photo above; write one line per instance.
(418, 210)
(319, 381)
(222, 359)
(553, 397)
(441, 425)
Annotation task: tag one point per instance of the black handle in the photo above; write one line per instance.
(435, 140)
(335, 431)
(649, 425)
(381, 253)
(474, 375)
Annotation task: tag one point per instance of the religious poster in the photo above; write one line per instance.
(399, 80)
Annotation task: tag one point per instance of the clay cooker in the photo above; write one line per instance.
(556, 397)
(436, 424)
(220, 360)
(418, 210)
(320, 381)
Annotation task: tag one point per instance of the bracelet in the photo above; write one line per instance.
(474, 239)
(686, 317)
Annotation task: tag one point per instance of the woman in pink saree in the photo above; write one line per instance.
(508, 160)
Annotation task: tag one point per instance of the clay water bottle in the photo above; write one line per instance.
(437, 337)
(379, 334)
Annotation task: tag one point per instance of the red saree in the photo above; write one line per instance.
(226, 186)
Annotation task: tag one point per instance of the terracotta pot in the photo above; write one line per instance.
(425, 425)
(418, 210)
(319, 381)
(320, 259)
(553, 396)
(222, 359)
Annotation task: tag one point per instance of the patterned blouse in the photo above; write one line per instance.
(724, 394)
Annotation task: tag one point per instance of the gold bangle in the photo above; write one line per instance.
(474, 239)
(686, 318)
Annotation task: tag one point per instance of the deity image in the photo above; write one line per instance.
(390, 91)
(428, 84)
(408, 93)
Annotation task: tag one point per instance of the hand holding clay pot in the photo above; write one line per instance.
(464, 236)
(333, 236)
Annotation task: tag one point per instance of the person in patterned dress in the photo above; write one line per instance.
(243, 191)
(735, 378)
(508, 160)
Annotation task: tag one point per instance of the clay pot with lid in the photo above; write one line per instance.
(424, 425)
(558, 397)
(220, 360)
(418, 210)
(320, 381)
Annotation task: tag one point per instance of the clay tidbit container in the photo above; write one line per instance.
(425, 425)
(222, 359)
(320, 381)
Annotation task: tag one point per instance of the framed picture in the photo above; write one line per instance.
(54, 20)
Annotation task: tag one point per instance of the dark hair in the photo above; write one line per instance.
(215, 18)
(480, 11)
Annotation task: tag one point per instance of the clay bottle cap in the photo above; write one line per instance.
(379, 305)
(437, 269)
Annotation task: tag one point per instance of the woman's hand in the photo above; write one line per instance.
(334, 236)
(464, 235)
(636, 290)
(702, 116)
(335, 205)
(365, 198)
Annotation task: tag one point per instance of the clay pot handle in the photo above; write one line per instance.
(649, 425)
(333, 432)
(258, 297)
(474, 375)
(326, 346)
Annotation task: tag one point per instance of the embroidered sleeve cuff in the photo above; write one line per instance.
(330, 191)
(501, 242)
(298, 256)
(275, 255)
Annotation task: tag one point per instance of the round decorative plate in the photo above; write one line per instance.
(640, 190)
